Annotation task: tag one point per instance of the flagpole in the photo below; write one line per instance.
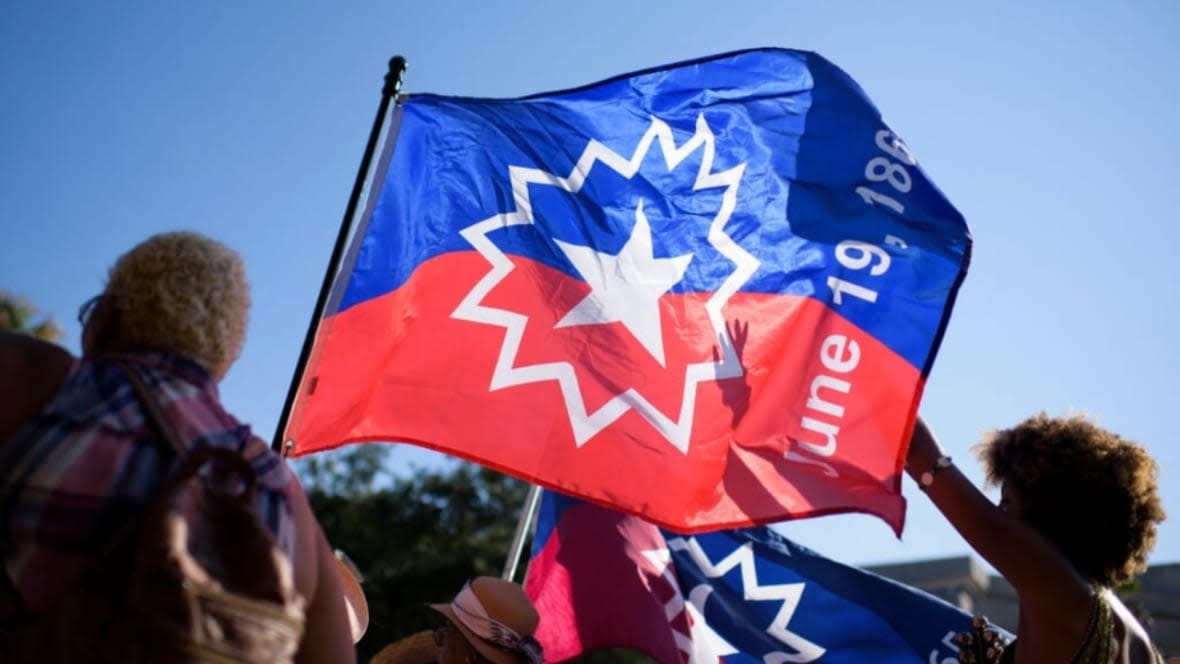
(393, 81)
(532, 503)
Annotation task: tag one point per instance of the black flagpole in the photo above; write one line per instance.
(393, 81)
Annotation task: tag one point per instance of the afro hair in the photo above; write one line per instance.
(1093, 494)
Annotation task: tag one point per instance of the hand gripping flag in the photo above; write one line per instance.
(601, 579)
(707, 293)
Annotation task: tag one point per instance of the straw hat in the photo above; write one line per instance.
(354, 596)
(497, 619)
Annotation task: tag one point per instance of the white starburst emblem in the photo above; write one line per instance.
(788, 594)
(628, 293)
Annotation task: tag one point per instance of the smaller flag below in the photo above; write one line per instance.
(602, 579)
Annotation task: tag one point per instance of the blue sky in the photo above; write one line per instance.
(1052, 131)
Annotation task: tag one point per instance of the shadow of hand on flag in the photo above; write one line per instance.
(735, 392)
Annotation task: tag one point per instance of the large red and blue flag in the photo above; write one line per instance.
(602, 579)
(707, 293)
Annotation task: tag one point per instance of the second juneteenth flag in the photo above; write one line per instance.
(707, 293)
(601, 579)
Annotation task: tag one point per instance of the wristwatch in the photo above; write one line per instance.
(927, 478)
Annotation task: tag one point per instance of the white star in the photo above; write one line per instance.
(626, 287)
(586, 423)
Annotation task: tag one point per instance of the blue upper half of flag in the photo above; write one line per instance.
(774, 151)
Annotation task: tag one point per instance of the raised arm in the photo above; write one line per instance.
(1043, 578)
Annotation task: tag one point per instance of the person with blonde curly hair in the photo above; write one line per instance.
(178, 292)
(79, 455)
(1077, 518)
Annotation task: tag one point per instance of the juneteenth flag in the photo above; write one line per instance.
(601, 579)
(707, 293)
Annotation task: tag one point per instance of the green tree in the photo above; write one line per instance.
(354, 471)
(18, 315)
(417, 538)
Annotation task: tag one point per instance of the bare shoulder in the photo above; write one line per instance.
(31, 371)
(22, 348)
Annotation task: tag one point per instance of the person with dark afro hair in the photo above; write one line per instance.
(1076, 519)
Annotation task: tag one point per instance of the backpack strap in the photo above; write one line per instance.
(14, 613)
(155, 412)
(191, 461)
(190, 464)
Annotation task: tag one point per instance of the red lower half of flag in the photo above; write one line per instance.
(813, 421)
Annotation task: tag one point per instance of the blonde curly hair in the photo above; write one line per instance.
(183, 293)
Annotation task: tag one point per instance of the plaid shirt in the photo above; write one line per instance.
(91, 459)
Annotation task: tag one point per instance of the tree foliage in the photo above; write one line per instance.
(18, 315)
(354, 471)
(417, 537)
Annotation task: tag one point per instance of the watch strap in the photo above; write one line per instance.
(927, 478)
